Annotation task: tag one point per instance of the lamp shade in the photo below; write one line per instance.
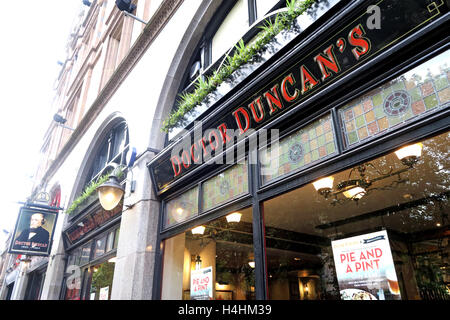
(198, 263)
(355, 193)
(413, 150)
(324, 183)
(110, 193)
(234, 217)
(198, 230)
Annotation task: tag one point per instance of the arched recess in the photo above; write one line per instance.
(179, 64)
(100, 135)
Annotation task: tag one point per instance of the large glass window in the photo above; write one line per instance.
(112, 149)
(101, 282)
(230, 23)
(73, 284)
(90, 268)
(212, 261)
(378, 230)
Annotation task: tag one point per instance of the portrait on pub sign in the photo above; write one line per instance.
(33, 232)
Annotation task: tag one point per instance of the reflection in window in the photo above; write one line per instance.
(74, 257)
(110, 241)
(100, 246)
(101, 284)
(116, 238)
(112, 149)
(73, 286)
(223, 250)
(85, 253)
(405, 195)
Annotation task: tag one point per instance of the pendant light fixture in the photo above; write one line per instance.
(234, 217)
(198, 230)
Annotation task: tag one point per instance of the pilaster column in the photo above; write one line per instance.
(135, 264)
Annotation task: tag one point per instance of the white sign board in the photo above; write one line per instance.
(104, 293)
(201, 284)
(365, 268)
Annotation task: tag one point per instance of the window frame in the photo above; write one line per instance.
(110, 143)
(85, 278)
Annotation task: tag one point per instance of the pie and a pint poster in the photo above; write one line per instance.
(201, 284)
(365, 268)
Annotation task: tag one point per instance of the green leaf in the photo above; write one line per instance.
(242, 54)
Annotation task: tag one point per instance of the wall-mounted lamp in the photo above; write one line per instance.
(60, 121)
(110, 193)
(127, 7)
(251, 264)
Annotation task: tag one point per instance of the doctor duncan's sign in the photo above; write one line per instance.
(316, 67)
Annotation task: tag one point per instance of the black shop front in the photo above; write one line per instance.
(324, 174)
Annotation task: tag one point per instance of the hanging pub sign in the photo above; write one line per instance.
(365, 268)
(34, 230)
(349, 44)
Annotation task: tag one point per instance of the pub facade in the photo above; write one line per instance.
(266, 150)
(290, 176)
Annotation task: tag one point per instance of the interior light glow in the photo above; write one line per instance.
(198, 230)
(355, 193)
(409, 154)
(324, 184)
(234, 217)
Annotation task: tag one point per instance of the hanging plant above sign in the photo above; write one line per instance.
(243, 54)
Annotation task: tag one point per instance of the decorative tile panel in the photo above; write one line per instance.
(310, 144)
(226, 186)
(181, 208)
(421, 90)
